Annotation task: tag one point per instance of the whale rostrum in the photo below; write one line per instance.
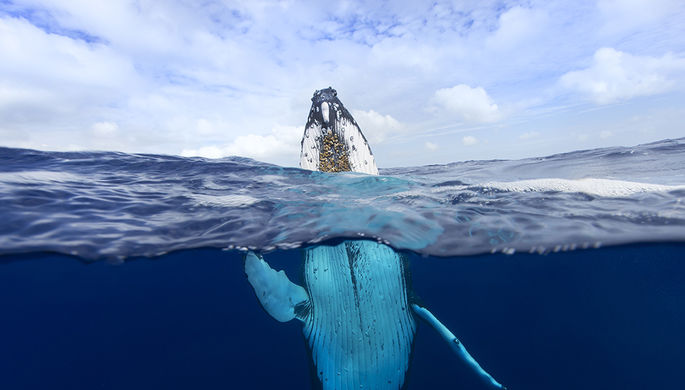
(359, 321)
(332, 140)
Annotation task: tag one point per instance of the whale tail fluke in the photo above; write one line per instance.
(455, 344)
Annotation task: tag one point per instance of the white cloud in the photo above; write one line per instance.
(615, 76)
(51, 60)
(471, 104)
(205, 127)
(469, 140)
(16, 95)
(376, 127)
(105, 129)
(282, 145)
(604, 134)
(50, 79)
(626, 15)
(518, 26)
(529, 135)
(213, 77)
(431, 146)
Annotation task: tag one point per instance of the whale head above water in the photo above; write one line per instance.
(332, 140)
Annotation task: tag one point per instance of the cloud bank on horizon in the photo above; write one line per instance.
(428, 82)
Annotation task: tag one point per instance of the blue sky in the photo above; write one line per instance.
(429, 82)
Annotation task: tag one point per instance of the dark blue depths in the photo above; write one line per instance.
(595, 319)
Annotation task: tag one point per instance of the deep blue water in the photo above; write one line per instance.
(123, 271)
(610, 318)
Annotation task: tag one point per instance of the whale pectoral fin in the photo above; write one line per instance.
(455, 344)
(281, 298)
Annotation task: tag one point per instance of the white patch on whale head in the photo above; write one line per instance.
(325, 113)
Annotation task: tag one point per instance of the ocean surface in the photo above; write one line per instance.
(124, 271)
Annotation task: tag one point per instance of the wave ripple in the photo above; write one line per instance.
(114, 205)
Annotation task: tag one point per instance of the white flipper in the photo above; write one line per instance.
(277, 294)
(455, 344)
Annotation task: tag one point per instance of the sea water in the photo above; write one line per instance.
(122, 271)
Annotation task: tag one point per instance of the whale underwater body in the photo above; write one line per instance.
(359, 318)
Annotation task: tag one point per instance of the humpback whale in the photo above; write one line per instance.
(358, 316)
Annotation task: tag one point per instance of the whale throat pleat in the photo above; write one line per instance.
(359, 329)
